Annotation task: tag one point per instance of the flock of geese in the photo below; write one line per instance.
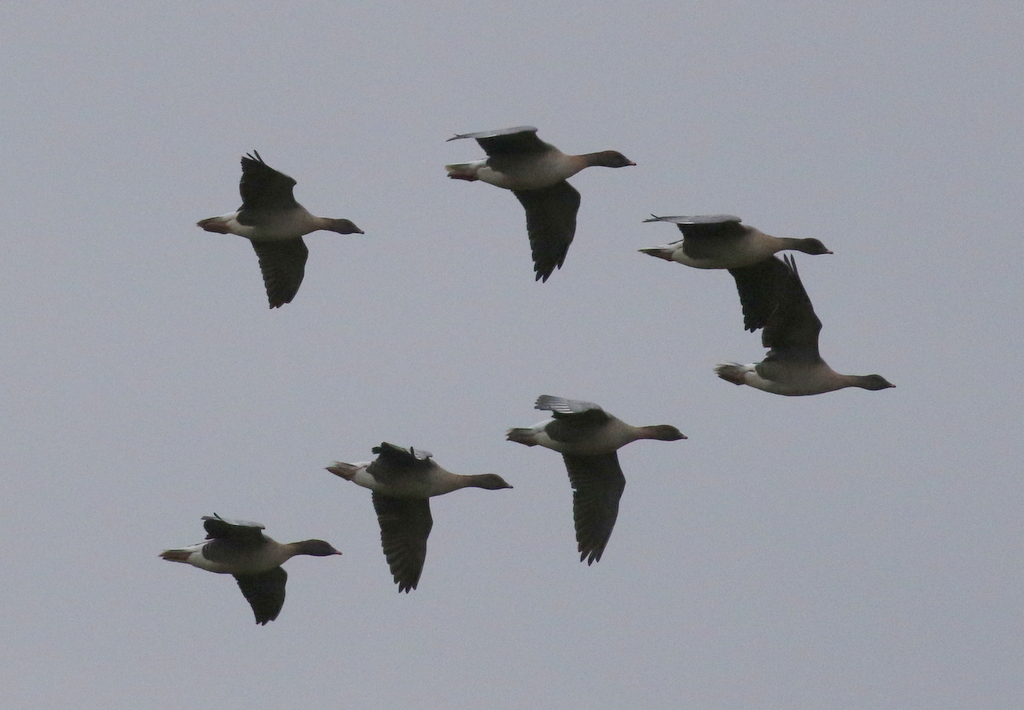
(402, 481)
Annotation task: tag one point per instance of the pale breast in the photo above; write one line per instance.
(605, 439)
(278, 224)
(727, 254)
(531, 172)
(795, 379)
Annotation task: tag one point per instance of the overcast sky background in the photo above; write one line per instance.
(845, 551)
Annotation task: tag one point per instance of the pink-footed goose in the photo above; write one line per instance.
(588, 438)
(275, 223)
(721, 242)
(241, 549)
(403, 481)
(793, 365)
(536, 173)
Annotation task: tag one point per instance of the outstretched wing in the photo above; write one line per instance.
(264, 592)
(597, 485)
(574, 420)
(706, 236)
(264, 188)
(760, 286)
(218, 528)
(793, 328)
(704, 225)
(561, 405)
(283, 264)
(395, 462)
(550, 224)
(404, 527)
(520, 140)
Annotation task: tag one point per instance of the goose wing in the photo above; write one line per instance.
(706, 236)
(520, 140)
(792, 330)
(550, 224)
(264, 592)
(404, 527)
(395, 462)
(597, 485)
(283, 264)
(760, 286)
(264, 188)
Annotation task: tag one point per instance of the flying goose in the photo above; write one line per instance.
(274, 222)
(241, 549)
(719, 241)
(588, 438)
(403, 481)
(536, 173)
(793, 366)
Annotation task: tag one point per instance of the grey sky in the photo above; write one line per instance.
(847, 551)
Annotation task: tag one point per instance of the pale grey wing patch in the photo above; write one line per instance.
(707, 236)
(238, 530)
(264, 188)
(710, 219)
(562, 405)
(283, 264)
(400, 453)
(219, 520)
(597, 485)
(420, 454)
(264, 592)
(575, 420)
(550, 224)
(519, 140)
(404, 527)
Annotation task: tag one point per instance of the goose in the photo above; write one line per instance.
(588, 438)
(275, 223)
(793, 366)
(241, 549)
(536, 173)
(719, 241)
(403, 481)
